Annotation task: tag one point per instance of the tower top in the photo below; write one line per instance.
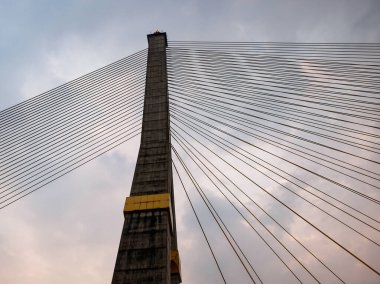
(157, 34)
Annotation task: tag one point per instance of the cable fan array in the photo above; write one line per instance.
(50, 135)
(277, 144)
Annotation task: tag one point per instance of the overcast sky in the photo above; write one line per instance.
(69, 231)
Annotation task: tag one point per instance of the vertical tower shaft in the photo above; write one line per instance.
(148, 247)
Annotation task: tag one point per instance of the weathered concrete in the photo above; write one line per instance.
(149, 236)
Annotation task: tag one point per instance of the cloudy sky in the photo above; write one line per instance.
(69, 231)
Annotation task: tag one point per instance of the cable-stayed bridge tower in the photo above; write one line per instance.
(275, 146)
(148, 246)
